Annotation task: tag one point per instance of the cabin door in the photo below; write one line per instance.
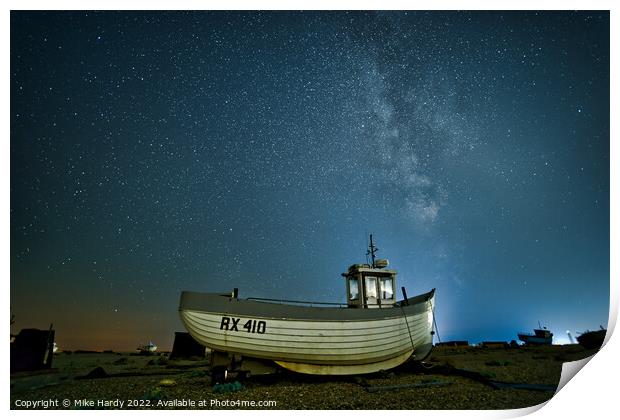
(370, 291)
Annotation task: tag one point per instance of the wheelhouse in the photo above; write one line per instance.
(543, 333)
(370, 286)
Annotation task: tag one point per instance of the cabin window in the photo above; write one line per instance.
(387, 289)
(371, 287)
(354, 290)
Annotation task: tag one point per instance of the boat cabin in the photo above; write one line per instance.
(543, 333)
(370, 286)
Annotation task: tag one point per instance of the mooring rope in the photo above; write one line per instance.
(434, 320)
(407, 322)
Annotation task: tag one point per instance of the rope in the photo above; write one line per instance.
(434, 321)
(407, 322)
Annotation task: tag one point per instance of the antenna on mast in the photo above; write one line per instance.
(371, 251)
(366, 238)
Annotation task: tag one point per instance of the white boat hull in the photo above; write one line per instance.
(379, 340)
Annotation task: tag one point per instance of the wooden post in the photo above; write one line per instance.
(406, 300)
(47, 360)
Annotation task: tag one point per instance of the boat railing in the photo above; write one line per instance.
(299, 302)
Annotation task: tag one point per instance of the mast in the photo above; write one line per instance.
(371, 251)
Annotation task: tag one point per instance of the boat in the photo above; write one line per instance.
(372, 331)
(149, 348)
(541, 336)
(592, 339)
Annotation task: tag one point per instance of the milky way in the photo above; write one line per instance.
(166, 151)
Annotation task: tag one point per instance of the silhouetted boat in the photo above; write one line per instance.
(541, 336)
(592, 339)
(371, 332)
(149, 348)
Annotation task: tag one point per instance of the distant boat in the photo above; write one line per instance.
(371, 332)
(541, 336)
(147, 348)
(592, 339)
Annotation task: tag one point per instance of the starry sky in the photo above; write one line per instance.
(155, 152)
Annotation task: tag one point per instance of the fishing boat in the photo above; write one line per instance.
(372, 331)
(149, 348)
(592, 339)
(541, 336)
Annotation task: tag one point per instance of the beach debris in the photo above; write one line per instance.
(185, 347)
(96, 373)
(227, 387)
(160, 361)
(167, 382)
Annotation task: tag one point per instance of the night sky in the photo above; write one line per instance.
(154, 152)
